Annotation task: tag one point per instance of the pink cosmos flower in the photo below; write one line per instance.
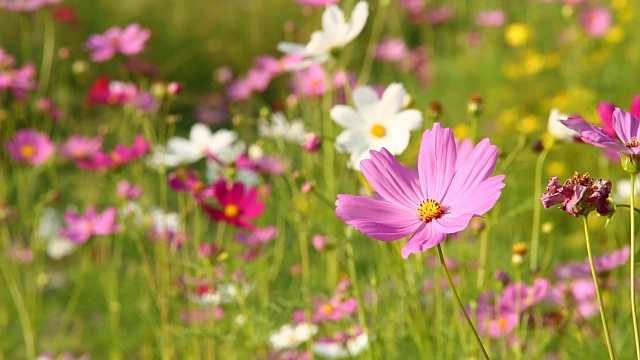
(19, 81)
(128, 41)
(105, 91)
(79, 147)
(236, 205)
(6, 59)
(119, 156)
(312, 142)
(595, 21)
(81, 228)
(605, 110)
(30, 146)
(185, 180)
(128, 191)
(492, 18)
(579, 195)
(334, 309)
(391, 50)
(257, 237)
(311, 81)
(26, 5)
(447, 192)
(604, 263)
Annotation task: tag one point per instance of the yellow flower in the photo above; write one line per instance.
(533, 63)
(614, 35)
(461, 131)
(508, 117)
(556, 168)
(517, 34)
(528, 124)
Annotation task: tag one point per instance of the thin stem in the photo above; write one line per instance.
(455, 295)
(537, 208)
(628, 206)
(605, 327)
(632, 286)
(47, 54)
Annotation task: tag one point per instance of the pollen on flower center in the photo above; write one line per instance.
(502, 323)
(231, 210)
(27, 151)
(378, 130)
(327, 309)
(633, 143)
(429, 210)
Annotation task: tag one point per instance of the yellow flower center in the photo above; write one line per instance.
(27, 151)
(502, 323)
(633, 143)
(429, 210)
(231, 210)
(326, 309)
(378, 130)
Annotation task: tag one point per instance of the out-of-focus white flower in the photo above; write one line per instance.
(280, 128)
(49, 229)
(290, 336)
(342, 346)
(557, 129)
(335, 34)
(622, 191)
(375, 123)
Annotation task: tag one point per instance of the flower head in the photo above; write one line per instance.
(236, 204)
(335, 34)
(290, 336)
(579, 195)
(30, 146)
(376, 122)
(128, 41)
(81, 228)
(120, 155)
(447, 192)
(79, 147)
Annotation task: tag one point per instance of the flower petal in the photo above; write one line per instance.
(364, 97)
(626, 125)
(476, 167)
(593, 135)
(425, 238)
(377, 219)
(347, 117)
(436, 161)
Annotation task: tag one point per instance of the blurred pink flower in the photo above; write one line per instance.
(413, 6)
(30, 146)
(81, 228)
(317, 2)
(79, 147)
(19, 81)
(6, 59)
(595, 21)
(312, 142)
(439, 15)
(26, 5)
(492, 18)
(127, 191)
(119, 156)
(311, 81)
(128, 41)
(604, 263)
(319, 242)
(235, 204)
(105, 91)
(391, 50)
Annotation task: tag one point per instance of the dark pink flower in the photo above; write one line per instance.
(79, 147)
(81, 228)
(312, 142)
(128, 41)
(185, 180)
(119, 156)
(235, 204)
(30, 146)
(334, 309)
(579, 195)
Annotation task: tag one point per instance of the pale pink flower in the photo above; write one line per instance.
(128, 41)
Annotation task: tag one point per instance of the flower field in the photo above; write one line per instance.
(309, 179)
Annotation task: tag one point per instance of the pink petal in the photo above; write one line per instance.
(593, 135)
(625, 124)
(425, 238)
(478, 165)
(377, 219)
(436, 161)
(388, 178)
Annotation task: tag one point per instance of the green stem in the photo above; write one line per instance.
(605, 327)
(632, 286)
(457, 297)
(47, 54)
(537, 208)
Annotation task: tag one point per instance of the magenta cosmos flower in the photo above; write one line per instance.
(81, 228)
(237, 205)
(447, 192)
(128, 41)
(627, 128)
(120, 155)
(30, 146)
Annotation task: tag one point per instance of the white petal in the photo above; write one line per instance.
(347, 117)
(184, 149)
(200, 134)
(407, 120)
(291, 48)
(391, 101)
(396, 141)
(349, 141)
(358, 20)
(364, 97)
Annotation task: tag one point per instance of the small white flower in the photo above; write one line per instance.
(339, 350)
(201, 142)
(280, 128)
(48, 229)
(335, 34)
(290, 336)
(375, 123)
(557, 129)
(164, 222)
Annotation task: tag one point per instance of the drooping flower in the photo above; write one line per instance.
(235, 204)
(120, 155)
(30, 146)
(376, 122)
(335, 34)
(128, 41)
(81, 228)
(579, 195)
(447, 192)
(627, 128)
(80, 147)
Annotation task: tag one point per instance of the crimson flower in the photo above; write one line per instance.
(237, 205)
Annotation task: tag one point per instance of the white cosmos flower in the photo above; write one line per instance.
(335, 34)
(557, 129)
(279, 127)
(375, 123)
(290, 336)
(341, 349)
(49, 227)
(201, 142)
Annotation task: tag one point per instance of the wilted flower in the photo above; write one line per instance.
(579, 195)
